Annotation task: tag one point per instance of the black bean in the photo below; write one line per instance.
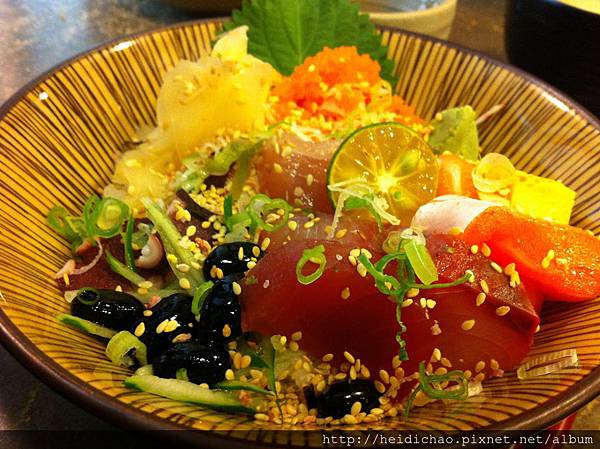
(221, 308)
(227, 258)
(109, 308)
(337, 400)
(157, 335)
(202, 364)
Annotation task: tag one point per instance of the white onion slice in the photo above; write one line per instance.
(92, 264)
(67, 268)
(448, 212)
(541, 365)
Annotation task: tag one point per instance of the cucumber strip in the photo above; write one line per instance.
(171, 240)
(125, 349)
(180, 390)
(123, 270)
(85, 325)
(233, 385)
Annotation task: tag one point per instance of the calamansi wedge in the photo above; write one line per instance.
(393, 161)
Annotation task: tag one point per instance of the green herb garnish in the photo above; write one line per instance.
(429, 384)
(123, 270)
(413, 260)
(200, 295)
(314, 255)
(100, 218)
(128, 243)
(171, 240)
(285, 32)
(253, 217)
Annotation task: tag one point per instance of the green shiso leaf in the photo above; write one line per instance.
(285, 32)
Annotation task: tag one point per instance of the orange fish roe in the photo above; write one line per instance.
(336, 82)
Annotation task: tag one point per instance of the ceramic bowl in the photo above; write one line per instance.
(59, 139)
(435, 21)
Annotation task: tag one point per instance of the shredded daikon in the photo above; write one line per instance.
(542, 365)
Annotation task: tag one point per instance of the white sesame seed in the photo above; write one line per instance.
(480, 299)
(467, 325)
(345, 293)
(479, 366)
(140, 329)
(411, 293)
(485, 250)
(496, 267)
(484, 286)
(185, 284)
(349, 357)
(237, 288)
(502, 310)
(327, 357)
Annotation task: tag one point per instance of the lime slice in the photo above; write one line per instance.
(393, 161)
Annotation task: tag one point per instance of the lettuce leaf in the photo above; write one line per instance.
(285, 32)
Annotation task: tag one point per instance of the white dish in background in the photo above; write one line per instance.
(435, 21)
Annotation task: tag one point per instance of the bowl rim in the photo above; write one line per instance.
(428, 13)
(120, 414)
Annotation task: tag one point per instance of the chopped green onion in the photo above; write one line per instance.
(459, 281)
(182, 374)
(242, 170)
(171, 240)
(421, 262)
(123, 270)
(429, 384)
(88, 211)
(59, 220)
(200, 295)
(260, 205)
(315, 255)
(228, 209)
(81, 296)
(85, 325)
(128, 242)
(107, 218)
(385, 283)
(125, 349)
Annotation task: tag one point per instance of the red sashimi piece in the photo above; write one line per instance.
(102, 276)
(365, 325)
(572, 274)
(455, 176)
(354, 230)
(296, 171)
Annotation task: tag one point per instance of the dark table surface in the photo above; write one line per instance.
(37, 34)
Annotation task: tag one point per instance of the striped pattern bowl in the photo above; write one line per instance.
(60, 136)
